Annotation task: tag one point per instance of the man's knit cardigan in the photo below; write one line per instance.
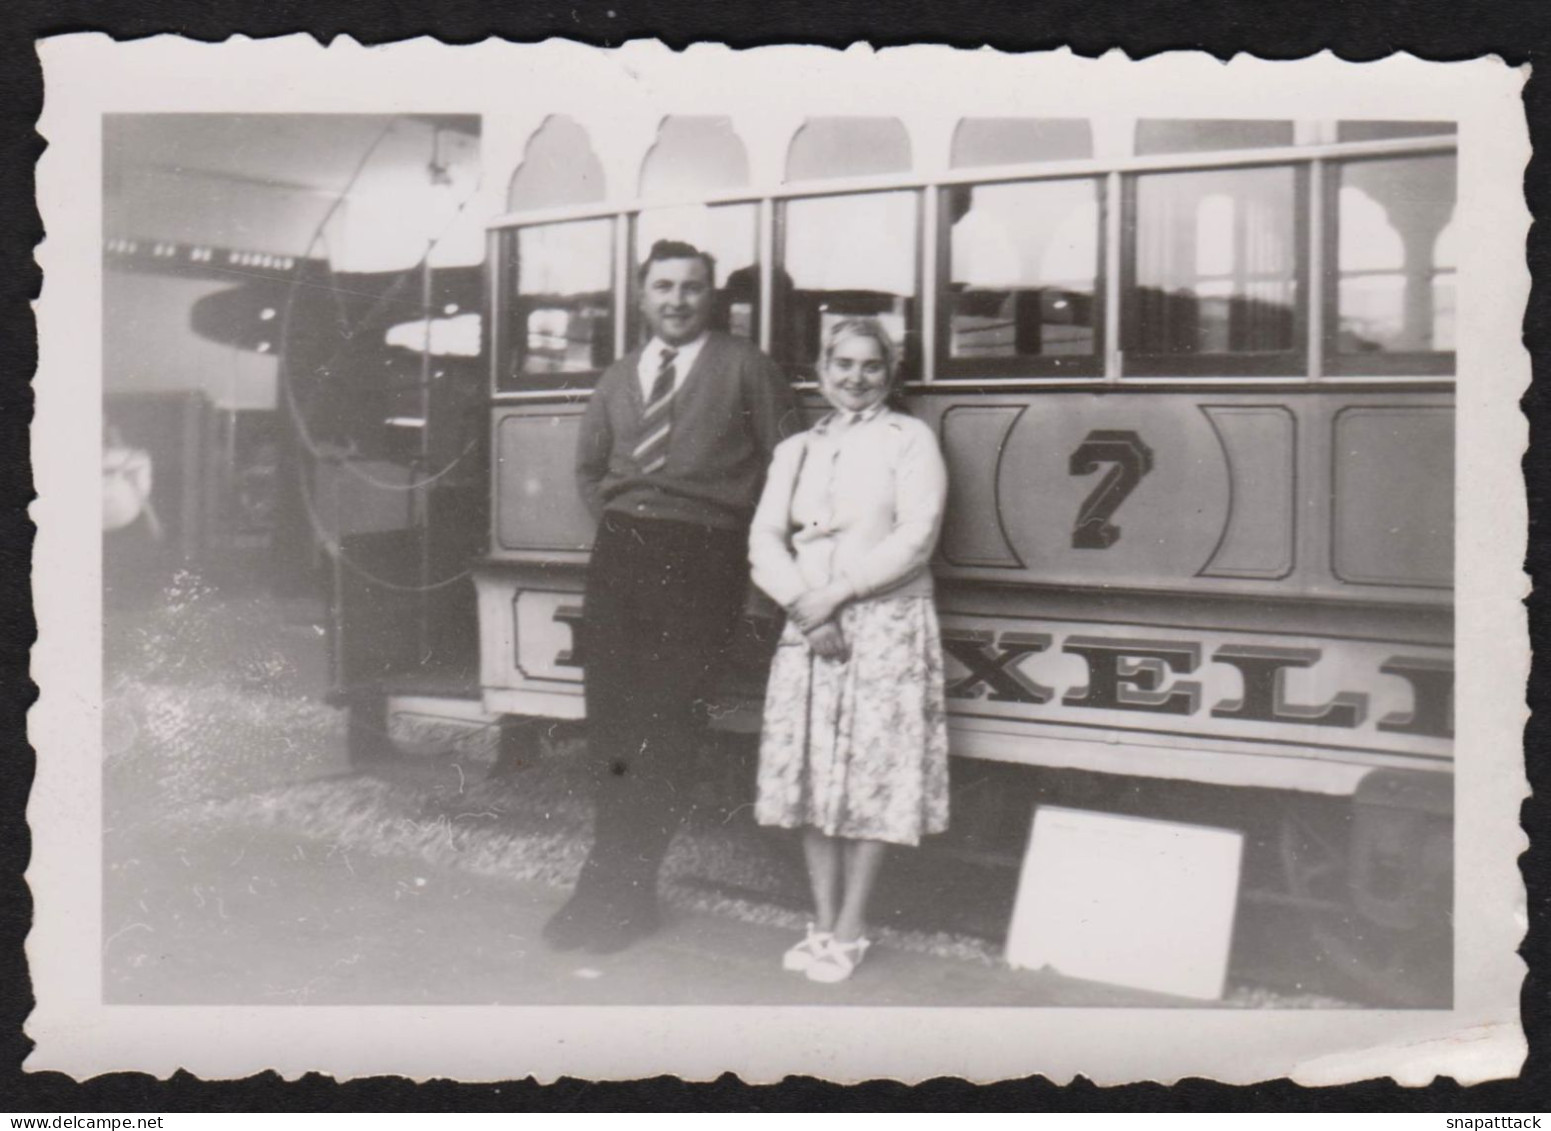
(729, 412)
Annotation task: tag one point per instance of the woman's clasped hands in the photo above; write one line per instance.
(828, 642)
(814, 615)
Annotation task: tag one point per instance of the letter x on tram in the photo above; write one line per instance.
(1122, 674)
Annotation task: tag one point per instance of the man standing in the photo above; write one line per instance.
(672, 454)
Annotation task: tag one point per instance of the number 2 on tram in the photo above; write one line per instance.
(1193, 380)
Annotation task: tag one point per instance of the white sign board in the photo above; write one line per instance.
(1129, 901)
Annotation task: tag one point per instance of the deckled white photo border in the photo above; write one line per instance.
(1480, 1038)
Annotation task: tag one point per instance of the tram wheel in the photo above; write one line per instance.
(1376, 885)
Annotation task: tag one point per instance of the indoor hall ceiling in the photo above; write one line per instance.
(360, 189)
(309, 151)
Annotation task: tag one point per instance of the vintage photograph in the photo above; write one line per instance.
(928, 554)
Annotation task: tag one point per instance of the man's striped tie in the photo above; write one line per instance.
(652, 452)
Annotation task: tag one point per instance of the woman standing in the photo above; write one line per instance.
(854, 749)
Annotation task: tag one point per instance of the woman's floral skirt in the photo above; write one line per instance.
(859, 749)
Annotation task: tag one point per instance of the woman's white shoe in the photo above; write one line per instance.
(805, 953)
(838, 960)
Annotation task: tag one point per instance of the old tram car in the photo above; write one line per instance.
(1194, 384)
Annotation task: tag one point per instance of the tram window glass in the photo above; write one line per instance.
(558, 168)
(844, 256)
(694, 155)
(1393, 297)
(1214, 270)
(559, 328)
(1198, 135)
(848, 147)
(978, 142)
(1022, 265)
(1378, 130)
(730, 232)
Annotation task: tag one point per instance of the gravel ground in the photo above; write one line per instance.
(246, 861)
(535, 828)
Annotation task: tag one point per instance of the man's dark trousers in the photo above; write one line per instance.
(662, 600)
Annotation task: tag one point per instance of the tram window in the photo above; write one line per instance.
(844, 256)
(978, 142)
(559, 318)
(848, 147)
(1391, 310)
(1198, 135)
(1214, 273)
(1022, 265)
(1377, 130)
(558, 168)
(694, 155)
(730, 232)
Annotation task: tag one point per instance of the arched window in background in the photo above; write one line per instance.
(827, 148)
(1395, 264)
(694, 156)
(1215, 272)
(1444, 266)
(1016, 141)
(558, 168)
(1198, 135)
(1376, 130)
(1022, 273)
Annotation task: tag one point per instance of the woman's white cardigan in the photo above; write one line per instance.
(857, 498)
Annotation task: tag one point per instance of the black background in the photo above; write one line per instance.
(1517, 30)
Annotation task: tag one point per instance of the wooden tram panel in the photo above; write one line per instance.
(1212, 584)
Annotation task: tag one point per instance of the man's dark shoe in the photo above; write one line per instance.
(616, 932)
(574, 924)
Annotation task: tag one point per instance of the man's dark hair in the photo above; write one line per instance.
(678, 249)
